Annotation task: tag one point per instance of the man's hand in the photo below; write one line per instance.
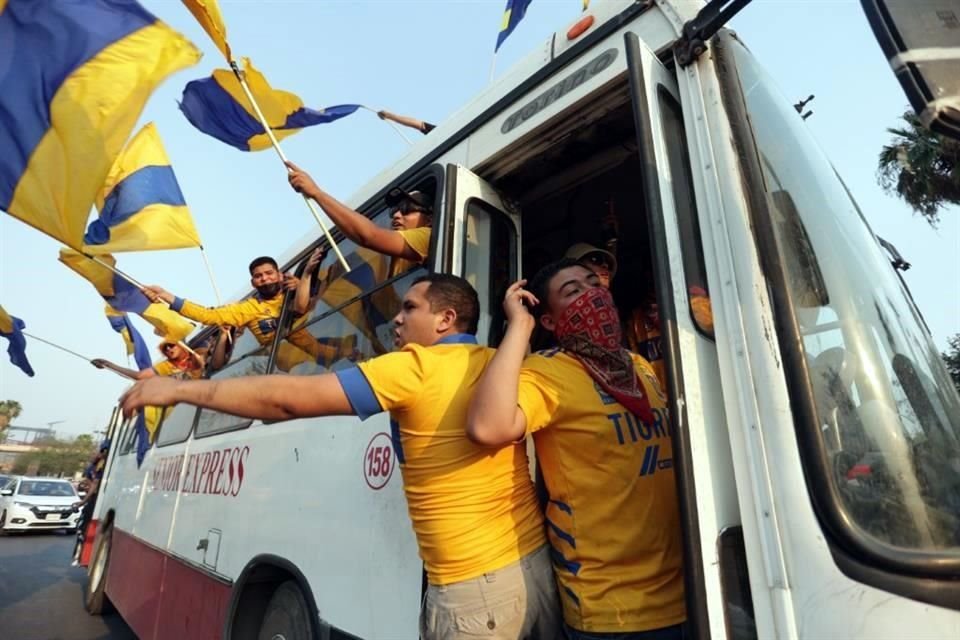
(518, 302)
(156, 294)
(159, 391)
(316, 258)
(290, 282)
(99, 363)
(301, 181)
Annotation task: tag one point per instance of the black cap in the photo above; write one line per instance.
(397, 195)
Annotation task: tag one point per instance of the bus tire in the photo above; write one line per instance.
(287, 615)
(95, 598)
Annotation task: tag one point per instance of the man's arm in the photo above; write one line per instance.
(257, 397)
(302, 299)
(143, 374)
(354, 225)
(420, 125)
(236, 314)
(494, 418)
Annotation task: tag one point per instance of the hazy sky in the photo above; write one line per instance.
(425, 59)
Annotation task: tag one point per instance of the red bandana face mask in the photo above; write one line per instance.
(589, 330)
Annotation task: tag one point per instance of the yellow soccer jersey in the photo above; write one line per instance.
(167, 368)
(473, 509)
(256, 314)
(417, 239)
(613, 517)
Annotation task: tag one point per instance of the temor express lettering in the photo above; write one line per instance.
(219, 472)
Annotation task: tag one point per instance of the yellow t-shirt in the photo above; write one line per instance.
(167, 368)
(417, 239)
(645, 341)
(613, 517)
(473, 509)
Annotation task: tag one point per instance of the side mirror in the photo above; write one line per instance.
(6, 492)
(920, 40)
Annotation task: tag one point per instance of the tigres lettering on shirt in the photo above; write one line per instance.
(613, 517)
(473, 508)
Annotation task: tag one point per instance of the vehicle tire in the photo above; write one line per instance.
(95, 598)
(3, 523)
(287, 616)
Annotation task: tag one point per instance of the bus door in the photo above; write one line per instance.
(482, 240)
(701, 448)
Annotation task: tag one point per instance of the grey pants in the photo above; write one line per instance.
(516, 602)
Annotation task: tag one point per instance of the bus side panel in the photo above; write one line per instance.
(134, 582)
(201, 603)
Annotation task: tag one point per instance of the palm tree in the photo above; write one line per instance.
(921, 167)
(9, 410)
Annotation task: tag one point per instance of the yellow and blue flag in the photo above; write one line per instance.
(120, 322)
(219, 107)
(123, 296)
(207, 13)
(12, 328)
(141, 206)
(512, 16)
(74, 79)
(148, 419)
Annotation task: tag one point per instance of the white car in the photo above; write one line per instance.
(31, 504)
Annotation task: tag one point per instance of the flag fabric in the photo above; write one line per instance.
(148, 420)
(131, 337)
(74, 79)
(12, 328)
(586, 4)
(512, 16)
(219, 107)
(141, 206)
(124, 296)
(208, 15)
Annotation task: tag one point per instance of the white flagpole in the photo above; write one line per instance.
(213, 282)
(71, 352)
(283, 157)
(395, 127)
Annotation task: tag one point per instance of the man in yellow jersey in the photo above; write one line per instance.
(408, 239)
(259, 313)
(600, 426)
(474, 510)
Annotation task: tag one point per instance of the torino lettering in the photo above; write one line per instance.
(219, 472)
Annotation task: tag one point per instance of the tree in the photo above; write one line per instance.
(952, 357)
(9, 410)
(921, 167)
(54, 457)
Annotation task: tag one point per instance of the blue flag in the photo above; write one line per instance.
(512, 16)
(219, 107)
(12, 328)
(143, 438)
(131, 337)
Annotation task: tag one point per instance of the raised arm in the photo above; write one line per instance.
(143, 374)
(407, 121)
(236, 314)
(494, 418)
(353, 224)
(302, 300)
(257, 397)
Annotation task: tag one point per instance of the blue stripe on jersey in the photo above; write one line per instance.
(563, 563)
(563, 506)
(358, 392)
(560, 533)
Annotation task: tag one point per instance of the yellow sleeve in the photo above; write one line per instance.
(538, 395)
(395, 378)
(164, 368)
(237, 314)
(702, 312)
(419, 240)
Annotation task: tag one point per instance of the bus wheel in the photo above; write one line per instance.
(287, 616)
(94, 594)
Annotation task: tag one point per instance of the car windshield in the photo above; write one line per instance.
(48, 488)
(888, 416)
(5, 480)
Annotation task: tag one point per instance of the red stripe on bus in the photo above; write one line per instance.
(86, 549)
(160, 596)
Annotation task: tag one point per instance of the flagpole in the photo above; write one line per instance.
(395, 127)
(493, 66)
(283, 157)
(213, 282)
(73, 353)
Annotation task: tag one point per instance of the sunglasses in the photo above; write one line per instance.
(407, 207)
(598, 259)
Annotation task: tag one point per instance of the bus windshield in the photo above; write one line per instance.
(888, 415)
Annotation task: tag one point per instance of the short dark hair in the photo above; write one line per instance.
(453, 292)
(261, 261)
(539, 284)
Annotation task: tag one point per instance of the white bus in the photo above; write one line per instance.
(817, 433)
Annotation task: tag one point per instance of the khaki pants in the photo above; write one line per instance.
(516, 602)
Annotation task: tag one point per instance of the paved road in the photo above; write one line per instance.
(41, 595)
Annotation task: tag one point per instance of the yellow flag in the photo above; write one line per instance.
(141, 206)
(208, 15)
(6, 322)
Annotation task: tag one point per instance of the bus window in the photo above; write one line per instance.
(883, 448)
(176, 425)
(489, 264)
(351, 333)
(694, 271)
